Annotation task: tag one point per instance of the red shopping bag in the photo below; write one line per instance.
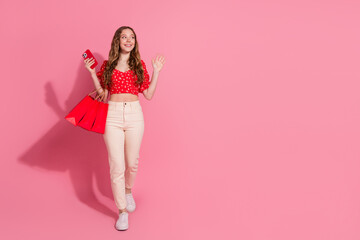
(78, 112)
(88, 120)
(100, 121)
(90, 113)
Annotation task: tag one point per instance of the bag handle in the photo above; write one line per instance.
(102, 95)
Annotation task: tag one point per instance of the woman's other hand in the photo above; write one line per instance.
(88, 62)
(158, 63)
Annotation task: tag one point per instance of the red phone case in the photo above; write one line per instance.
(87, 54)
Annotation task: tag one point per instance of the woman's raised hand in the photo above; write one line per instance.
(158, 63)
(88, 62)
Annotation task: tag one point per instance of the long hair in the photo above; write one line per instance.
(134, 60)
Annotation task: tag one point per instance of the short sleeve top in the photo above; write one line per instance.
(124, 82)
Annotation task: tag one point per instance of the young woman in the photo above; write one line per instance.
(124, 76)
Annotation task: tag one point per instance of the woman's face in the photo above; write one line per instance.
(127, 40)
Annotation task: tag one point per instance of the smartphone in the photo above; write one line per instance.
(87, 54)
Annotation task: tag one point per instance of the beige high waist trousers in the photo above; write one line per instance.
(123, 134)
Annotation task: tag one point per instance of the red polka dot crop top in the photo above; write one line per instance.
(124, 82)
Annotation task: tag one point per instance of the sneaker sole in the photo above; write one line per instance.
(130, 210)
(124, 229)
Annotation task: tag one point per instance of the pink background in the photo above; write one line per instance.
(253, 132)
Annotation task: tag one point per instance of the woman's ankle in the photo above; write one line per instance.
(127, 190)
(122, 210)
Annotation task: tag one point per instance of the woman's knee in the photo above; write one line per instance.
(133, 164)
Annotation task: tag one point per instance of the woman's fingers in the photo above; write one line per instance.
(89, 62)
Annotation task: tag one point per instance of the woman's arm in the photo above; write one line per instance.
(150, 91)
(157, 64)
(100, 89)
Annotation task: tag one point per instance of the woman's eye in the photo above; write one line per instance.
(124, 36)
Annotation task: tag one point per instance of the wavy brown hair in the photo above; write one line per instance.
(134, 60)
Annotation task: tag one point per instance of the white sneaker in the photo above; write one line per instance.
(130, 202)
(122, 222)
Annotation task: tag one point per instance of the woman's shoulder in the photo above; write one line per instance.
(104, 63)
(143, 63)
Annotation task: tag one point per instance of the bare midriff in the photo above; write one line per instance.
(123, 97)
